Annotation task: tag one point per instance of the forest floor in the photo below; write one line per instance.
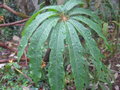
(10, 54)
(114, 63)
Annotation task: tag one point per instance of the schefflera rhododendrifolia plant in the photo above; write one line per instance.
(61, 25)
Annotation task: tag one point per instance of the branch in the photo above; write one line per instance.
(13, 23)
(22, 15)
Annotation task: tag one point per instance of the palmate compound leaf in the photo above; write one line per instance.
(78, 63)
(56, 69)
(36, 45)
(30, 29)
(45, 24)
(92, 46)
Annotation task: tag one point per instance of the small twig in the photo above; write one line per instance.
(13, 23)
(23, 74)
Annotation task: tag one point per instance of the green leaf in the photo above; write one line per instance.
(56, 69)
(30, 29)
(35, 48)
(71, 4)
(78, 62)
(80, 11)
(94, 26)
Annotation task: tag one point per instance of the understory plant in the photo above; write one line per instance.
(57, 27)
